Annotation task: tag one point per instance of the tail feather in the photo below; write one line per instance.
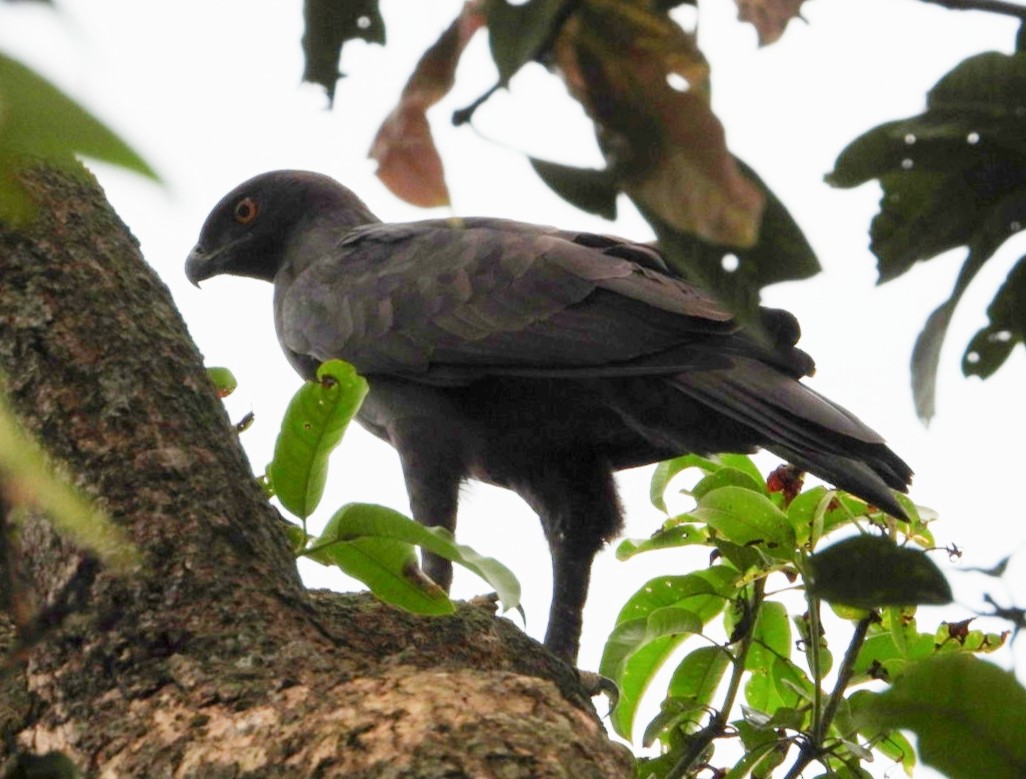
(802, 426)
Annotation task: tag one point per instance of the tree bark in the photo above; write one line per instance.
(212, 659)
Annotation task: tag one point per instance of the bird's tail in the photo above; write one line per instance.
(803, 427)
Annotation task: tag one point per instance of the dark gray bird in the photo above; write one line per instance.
(535, 359)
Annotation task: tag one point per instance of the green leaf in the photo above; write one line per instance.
(969, 716)
(630, 636)
(26, 479)
(728, 477)
(633, 680)
(38, 121)
(224, 381)
(669, 538)
(743, 516)
(357, 523)
(771, 636)
(703, 593)
(699, 675)
(666, 470)
(674, 715)
(742, 462)
(992, 344)
(589, 189)
(314, 424)
(870, 571)
(328, 24)
(518, 33)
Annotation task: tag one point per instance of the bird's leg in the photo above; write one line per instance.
(571, 574)
(433, 478)
(579, 509)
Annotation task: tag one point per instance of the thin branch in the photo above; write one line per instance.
(464, 115)
(992, 6)
(814, 747)
(700, 741)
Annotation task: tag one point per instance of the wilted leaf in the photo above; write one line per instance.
(770, 17)
(871, 571)
(968, 715)
(328, 24)
(38, 121)
(314, 423)
(408, 162)
(644, 83)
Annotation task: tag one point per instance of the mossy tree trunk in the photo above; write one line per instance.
(212, 660)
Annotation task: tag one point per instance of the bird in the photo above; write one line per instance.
(533, 358)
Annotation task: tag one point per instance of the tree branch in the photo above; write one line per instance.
(991, 6)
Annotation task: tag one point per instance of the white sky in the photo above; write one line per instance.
(209, 92)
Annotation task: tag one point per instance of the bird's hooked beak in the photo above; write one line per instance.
(203, 263)
(198, 265)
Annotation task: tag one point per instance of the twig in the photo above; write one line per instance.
(464, 115)
(993, 6)
(813, 748)
(700, 741)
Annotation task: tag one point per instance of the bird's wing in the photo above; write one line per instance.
(462, 298)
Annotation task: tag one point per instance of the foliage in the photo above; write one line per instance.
(645, 84)
(953, 176)
(39, 122)
(764, 688)
(371, 543)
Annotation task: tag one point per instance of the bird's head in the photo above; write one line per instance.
(250, 230)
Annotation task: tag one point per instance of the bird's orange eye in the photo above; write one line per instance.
(246, 211)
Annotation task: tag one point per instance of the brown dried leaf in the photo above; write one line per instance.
(645, 84)
(770, 17)
(408, 161)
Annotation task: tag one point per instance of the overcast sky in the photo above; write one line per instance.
(209, 92)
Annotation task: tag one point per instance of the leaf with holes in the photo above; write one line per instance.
(327, 26)
(952, 176)
(992, 344)
(644, 83)
(316, 419)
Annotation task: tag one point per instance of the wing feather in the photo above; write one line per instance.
(468, 297)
